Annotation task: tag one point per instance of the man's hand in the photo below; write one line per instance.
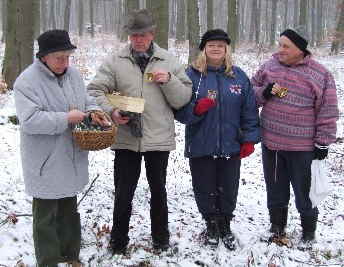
(161, 76)
(118, 118)
(75, 116)
(267, 93)
(320, 152)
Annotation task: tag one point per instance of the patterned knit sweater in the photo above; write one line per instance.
(306, 115)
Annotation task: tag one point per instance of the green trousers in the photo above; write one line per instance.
(56, 230)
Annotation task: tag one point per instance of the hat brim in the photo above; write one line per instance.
(142, 30)
(56, 49)
(219, 38)
(214, 38)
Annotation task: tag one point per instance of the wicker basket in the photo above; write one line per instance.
(95, 140)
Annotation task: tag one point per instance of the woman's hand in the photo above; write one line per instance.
(203, 105)
(75, 116)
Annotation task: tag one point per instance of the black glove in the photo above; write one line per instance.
(128, 114)
(320, 152)
(267, 91)
(134, 122)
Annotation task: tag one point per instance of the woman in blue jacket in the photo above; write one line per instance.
(221, 128)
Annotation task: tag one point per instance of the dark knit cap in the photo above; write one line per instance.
(297, 38)
(53, 41)
(216, 34)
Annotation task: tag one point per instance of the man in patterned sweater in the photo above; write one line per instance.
(298, 121)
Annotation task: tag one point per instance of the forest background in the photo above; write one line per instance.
(255, 22)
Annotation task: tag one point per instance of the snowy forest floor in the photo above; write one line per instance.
(251, 222)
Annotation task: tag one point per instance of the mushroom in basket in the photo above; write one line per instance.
(95, 132)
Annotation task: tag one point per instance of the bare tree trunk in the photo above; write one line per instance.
(4, 20)
(257, 21)
(241, 18)
(81, 17)
(267, 22)
(91, 30)
(133, 4)
(303, 13)
(19, 39)
(285, 17)
(320, 23)
(36, 13)
(66, 20)
(52, 15)
(60, 13)
(339, 34)
(233, 22)
(253, 24)
(194, 28)
(296, 13)
(210, 14)
(181, 26)
(123, 18)
(273, 23)
(117, 17)
(149, 4)
(313, 11)
(160, 13)
(44, 13)
(173, 8)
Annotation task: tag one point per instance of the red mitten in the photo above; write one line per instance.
(246, 149)
(203, 105)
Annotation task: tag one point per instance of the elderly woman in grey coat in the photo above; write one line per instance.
(50, 98)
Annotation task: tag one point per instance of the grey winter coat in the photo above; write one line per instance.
(53, 166)
(120, 73)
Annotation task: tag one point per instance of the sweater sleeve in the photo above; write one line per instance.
(327, 113)
(259, 83)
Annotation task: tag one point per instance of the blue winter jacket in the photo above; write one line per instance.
(234, 119)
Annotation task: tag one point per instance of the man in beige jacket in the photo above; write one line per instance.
(149, 135)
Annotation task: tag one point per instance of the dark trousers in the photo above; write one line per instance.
(56, 230)
(282, 168)
(127, 168)
(215, 183)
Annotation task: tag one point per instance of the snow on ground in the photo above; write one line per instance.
(250, 224)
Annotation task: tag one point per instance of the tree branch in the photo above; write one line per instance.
(91, 185)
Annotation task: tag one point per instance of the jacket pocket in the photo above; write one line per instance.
(44, 164)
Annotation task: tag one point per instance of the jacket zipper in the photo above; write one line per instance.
(219, 144)
(276, 165)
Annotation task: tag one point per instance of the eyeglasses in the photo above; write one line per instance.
(61, 59)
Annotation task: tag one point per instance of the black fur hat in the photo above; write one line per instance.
(53, 41)
(216, 34)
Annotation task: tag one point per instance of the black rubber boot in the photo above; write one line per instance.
(226, 234)
(278, 219)
(212, 232)
(117, 248)
(309, 225)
